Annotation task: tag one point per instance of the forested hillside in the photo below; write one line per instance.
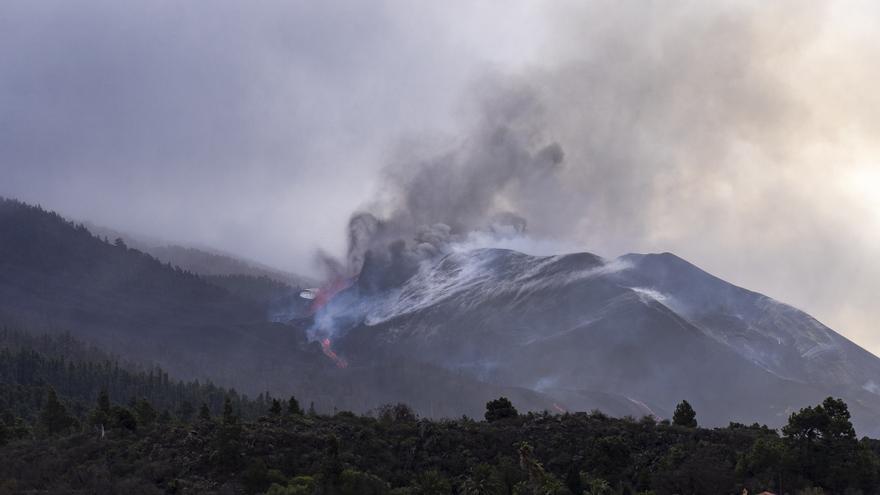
(56, 276)
(262, 290)
(32, 365)
(199, 261)
(62, 444)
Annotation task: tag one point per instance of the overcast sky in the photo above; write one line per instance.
(742, 136)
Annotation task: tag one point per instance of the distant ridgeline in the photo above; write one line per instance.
(75, 420)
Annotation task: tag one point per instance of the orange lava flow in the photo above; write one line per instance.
(340, 362)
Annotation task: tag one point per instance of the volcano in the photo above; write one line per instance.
(630, 336)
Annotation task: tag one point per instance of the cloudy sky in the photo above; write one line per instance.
(742, 136)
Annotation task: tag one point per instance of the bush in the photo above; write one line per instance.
(396, 413)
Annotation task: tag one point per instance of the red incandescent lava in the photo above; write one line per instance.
(340, 362)
(322, 297)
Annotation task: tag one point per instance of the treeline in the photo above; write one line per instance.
(392, 452)
(75, 420)
(34, 237)
(259, 289)
(31, 366)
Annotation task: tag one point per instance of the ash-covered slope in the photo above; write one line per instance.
(775, 336)
(642, 330)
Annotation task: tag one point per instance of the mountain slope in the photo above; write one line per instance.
(630, 336)
(55, 275)
(200, 261)
(652, 329)
(778, 337)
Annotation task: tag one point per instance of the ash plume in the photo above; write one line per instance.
(433, 201)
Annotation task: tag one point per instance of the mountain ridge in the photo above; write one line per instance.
(631, 335)
(608, 326)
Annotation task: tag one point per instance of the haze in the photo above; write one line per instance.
(742, 136)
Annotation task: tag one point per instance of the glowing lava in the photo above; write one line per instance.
(320, 298)
(340, 362)
(326, 293)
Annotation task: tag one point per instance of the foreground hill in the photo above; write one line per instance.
(398, 454)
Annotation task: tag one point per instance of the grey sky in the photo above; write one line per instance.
(740, 136)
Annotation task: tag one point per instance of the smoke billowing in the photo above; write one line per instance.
(739, 135)
(430, 202)
(732, 134)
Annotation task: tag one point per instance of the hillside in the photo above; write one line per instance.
(57, 276)
(642, 331)
(395, 453)
(200, 261)
(30, 365)
(630, 336)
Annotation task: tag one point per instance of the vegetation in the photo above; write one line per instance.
(74, 419)
(500, 408)
(36, 370)
(57, 275)
(75, 426)
(684, 415)
(262, 289)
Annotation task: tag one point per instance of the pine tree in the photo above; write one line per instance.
(145, 412)
(229, 417)
(684, 415)
(275, 410)
(100, 415)
(122, 417)
(204, 413)
(293, 408)
(54, 417)
(229, 437)
(104, 401)
(500, 408)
